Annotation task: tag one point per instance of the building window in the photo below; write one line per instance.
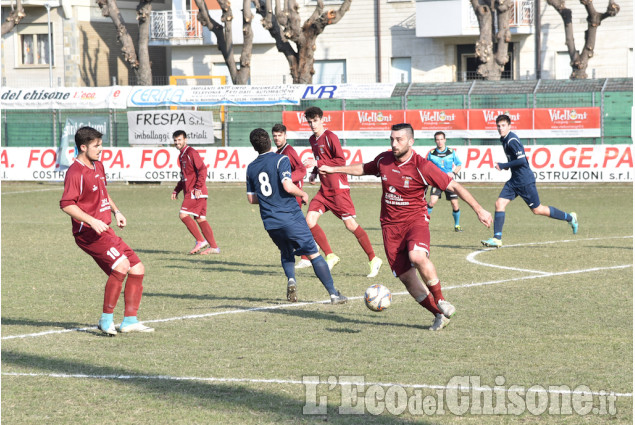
(34, 46)
(329, 71)
(400, 70)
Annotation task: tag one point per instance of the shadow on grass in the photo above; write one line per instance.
(225, 397)
(6, 321)
(209, 297)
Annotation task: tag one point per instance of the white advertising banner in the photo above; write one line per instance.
(156, 127)
(348, 91)
(550, 163)
(141, 96)
(113, 97)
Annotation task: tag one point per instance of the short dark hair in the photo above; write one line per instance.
(313, 112)
(279, 128)
(85, 135)
(404, 126)
(260, 140)
(178, 133)
(503, 117)
(439, 133)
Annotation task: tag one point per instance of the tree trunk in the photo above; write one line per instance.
(109, 8)
(14, 17)
(284, 25)
(580, 61)
(145, 65)
(493, 57)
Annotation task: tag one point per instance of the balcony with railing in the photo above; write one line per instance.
(452, 18)
(177, 27)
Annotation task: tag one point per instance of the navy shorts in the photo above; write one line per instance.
(529, 193)
(294, 239)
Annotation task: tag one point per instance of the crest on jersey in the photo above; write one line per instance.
(406, 181)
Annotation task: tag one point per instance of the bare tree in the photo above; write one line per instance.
(580, 61)
(492, 46)
(223, 34)
(14, 17)
(140, 65)
(285, 26)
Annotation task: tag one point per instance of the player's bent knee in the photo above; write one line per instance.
(138, 268)
(123, 266)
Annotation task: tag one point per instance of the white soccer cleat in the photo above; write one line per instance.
(135, 327)
(446, 308)
(375, 265)
(108, 329)
(440, 322)
(303, 264)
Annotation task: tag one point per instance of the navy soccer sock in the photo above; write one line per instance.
(288, 264)
(499, 220)
(559, 215)
(323, 273)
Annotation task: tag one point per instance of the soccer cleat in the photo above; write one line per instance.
(492, 243)
(198, 247)
(107, 327)
(574, 222)
(332, 260)
(375, 265)
(209, 251)
(303, 264)
(135, 327)
(446, 308)
(458, 228)
(292, 294)
(338, 299)
(440, 322)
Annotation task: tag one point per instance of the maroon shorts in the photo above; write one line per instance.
(195, 207)
(107, 249)
(400, 239)
(341, 204)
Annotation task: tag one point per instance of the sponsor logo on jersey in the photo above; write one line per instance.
(392, 189)
(94, 188)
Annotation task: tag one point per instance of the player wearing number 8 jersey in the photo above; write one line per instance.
(87, 201)
(269, 184)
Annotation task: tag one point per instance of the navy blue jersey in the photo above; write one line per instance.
(516, 161)
(264, 179)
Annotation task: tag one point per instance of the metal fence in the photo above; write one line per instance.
(35, 128)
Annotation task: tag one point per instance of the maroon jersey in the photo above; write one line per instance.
(86, 188)
(298, 170)
(193, 173)
(404, 186)
(327, 150)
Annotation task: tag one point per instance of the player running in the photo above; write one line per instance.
(522, 183)
(405, 177)
(334, 194)
(269, 183)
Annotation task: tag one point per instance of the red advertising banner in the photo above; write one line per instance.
(580, 122)
(426, 122)
(370, 124)
(482, 122)
(298, 127)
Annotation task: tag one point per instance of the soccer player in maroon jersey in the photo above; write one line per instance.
(405, 177)
(334, 194)
(87, 201)
(192, 183)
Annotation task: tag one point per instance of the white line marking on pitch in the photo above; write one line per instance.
(296, 382)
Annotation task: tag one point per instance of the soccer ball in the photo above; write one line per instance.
(377, 297)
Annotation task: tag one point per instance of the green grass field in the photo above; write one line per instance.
(548, 309)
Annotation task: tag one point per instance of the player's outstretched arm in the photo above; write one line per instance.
(78, 214)
(484, 216)
(352, 169)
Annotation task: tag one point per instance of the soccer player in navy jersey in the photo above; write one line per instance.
(522, 183)
(405, 177)
(87, 201)
(269, 183)
(446, 159)
(335, 193)
(194, 187)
